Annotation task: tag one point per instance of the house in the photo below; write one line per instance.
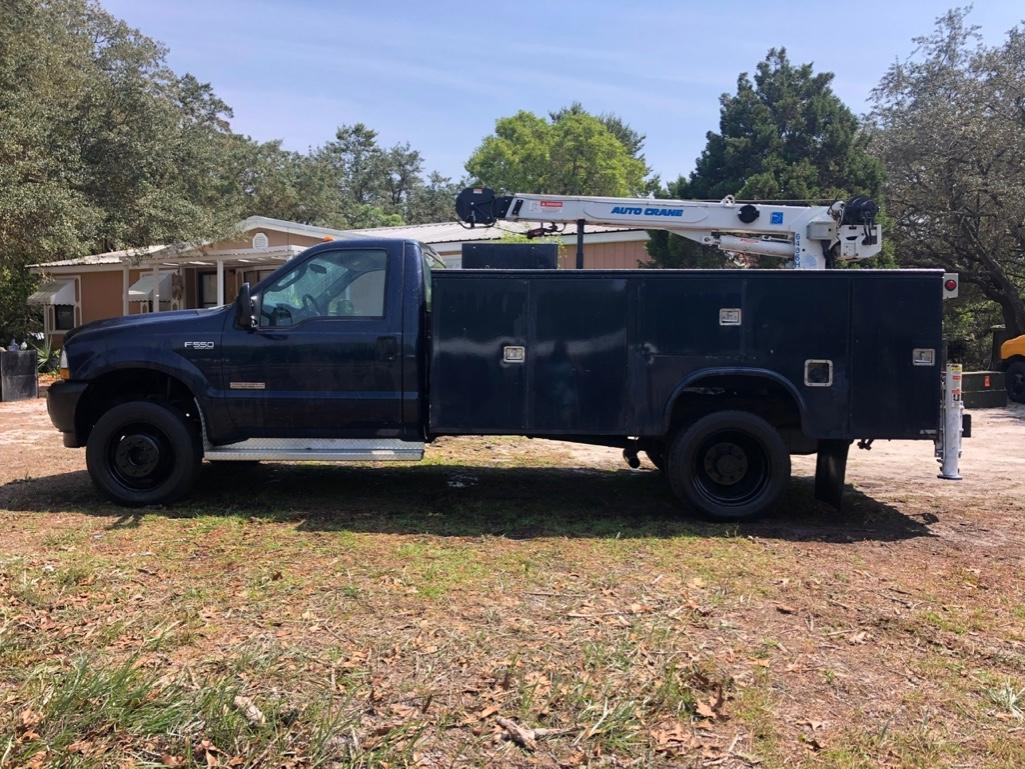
(109, 285)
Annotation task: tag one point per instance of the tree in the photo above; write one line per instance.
(371, 186)
(573, 154)
(101, 145)
(947, 122)
(631, 139)
(785, 136)
(434, 199)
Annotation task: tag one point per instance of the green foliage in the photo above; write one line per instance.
(573, 153)
(362, 184)
(47, 356)
(970, 318)
(947, 122)
(631, 139)
(784, 136)
(101, 145)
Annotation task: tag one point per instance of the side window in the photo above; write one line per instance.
(334, 284)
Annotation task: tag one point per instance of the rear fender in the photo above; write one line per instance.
(755, 375)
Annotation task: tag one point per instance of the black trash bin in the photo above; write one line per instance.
(18, 379)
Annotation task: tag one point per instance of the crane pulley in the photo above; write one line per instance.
(810, 237)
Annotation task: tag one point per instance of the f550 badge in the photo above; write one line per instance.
(199, 345)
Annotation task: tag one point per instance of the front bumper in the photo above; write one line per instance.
(61, 401)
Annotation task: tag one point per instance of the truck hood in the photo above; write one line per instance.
(150, 322)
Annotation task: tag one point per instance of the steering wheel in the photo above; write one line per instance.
(310, 302)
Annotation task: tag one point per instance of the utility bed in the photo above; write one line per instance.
(607, 353)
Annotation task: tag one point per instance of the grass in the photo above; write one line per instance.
(387, 618)
(83, 714)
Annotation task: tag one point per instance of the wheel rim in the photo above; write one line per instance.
(139, 457)
(732, 468)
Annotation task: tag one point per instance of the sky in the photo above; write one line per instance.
(437, 74)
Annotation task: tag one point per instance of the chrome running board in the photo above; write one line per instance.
(317, 449)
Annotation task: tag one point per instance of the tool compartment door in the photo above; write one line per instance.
(894, 314)
(475, 318)
(579, 380)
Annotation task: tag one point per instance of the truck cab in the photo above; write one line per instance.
(323, 359)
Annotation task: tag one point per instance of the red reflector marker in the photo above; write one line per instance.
(950, 285)
(985, 382)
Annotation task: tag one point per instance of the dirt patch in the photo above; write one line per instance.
(512, 602)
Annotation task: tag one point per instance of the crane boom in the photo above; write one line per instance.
(811, 237)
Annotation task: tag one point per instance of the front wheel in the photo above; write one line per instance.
(729, 465)
(1015, 379)
(143, 453)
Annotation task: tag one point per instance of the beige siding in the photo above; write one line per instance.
(101, 295)
(606, 256)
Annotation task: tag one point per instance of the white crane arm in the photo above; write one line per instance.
(812, 237)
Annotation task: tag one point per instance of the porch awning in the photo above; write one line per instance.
(142, 289)
(54, 292)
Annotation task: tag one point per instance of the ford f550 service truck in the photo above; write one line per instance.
(366, 350)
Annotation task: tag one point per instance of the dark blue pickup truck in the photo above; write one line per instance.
(366, 350)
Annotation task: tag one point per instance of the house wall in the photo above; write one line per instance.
(101, 294)
(606, 256)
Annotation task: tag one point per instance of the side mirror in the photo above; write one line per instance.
(245, 308)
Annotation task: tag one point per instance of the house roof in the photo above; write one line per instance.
(292, 228)
(109, 257)
(438, 233)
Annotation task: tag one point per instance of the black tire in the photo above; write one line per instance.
(143, 453)
(1016, 381)
(729, 466)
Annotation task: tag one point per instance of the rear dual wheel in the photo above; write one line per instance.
(729, 465)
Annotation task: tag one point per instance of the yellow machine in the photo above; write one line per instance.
(1012, 358)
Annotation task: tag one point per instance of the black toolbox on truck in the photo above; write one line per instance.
(602, 353)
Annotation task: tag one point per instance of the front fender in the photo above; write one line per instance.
(695, 378)
(139, 357)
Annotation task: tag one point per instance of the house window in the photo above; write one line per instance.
(207, 286)
(252, 277)
(260, 240)
(63, 317)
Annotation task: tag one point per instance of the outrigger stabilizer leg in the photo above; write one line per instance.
(830, 471)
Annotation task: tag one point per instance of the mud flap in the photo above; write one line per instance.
(830, 469)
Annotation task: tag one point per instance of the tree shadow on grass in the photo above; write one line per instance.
(468, 500)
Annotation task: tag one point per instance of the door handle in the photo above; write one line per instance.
(387, 348)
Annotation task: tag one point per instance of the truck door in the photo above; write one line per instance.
(325, 360)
